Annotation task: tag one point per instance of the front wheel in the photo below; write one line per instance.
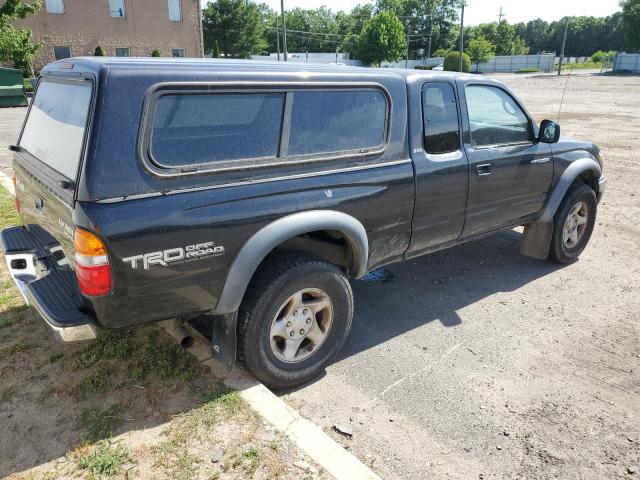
(295, 316)
(573, 224)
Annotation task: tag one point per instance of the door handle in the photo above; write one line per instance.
(484, 169)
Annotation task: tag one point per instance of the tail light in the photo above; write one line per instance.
(92, 263)
(15, 189)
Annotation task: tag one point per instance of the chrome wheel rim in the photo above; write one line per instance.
(301, 325)
(575, 225)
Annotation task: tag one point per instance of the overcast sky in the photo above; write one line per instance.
(483, 11)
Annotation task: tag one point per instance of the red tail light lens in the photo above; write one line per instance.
(92, 263)
(15, 190)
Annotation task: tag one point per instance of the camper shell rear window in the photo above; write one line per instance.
(55, 128)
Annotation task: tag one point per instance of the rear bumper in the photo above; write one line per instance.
(46, 282)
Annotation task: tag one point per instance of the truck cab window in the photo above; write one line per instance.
(440, 116)
(495, 118)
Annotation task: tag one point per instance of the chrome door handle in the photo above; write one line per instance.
(484, 169)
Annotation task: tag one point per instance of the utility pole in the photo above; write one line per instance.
(461, 34)
(430, 35)
(406, 60)
(284, 30)
(278, 36)
(501, 15)
(564, 42)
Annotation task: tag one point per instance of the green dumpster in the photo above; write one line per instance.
(12, 92)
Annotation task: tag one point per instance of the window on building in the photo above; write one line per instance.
(495, 118)
(320, 119)
(61, 52)
(175, 10)
(177, 52)
(116, 8)
(216, 127)
(55, 6)
(123, 52)
(440, 114)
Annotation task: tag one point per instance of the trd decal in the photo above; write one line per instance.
(175, 255)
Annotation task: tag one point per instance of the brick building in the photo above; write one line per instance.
(72, 28)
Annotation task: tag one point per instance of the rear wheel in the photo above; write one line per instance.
(573, 224)
(295, 316)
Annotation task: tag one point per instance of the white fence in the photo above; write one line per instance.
(514, 63)
(430, 62)
(627, 61)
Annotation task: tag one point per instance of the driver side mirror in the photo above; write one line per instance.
(549, 132)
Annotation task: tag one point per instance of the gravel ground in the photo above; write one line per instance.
(476, 362)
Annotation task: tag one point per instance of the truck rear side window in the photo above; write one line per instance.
(440, 114)
(54, 131)
(337, 121)
(203, 128)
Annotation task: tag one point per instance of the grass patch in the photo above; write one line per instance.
(115, 344)
(56, 357)
(220, 405)
(8, 213)
(528, 70)
(8, 351)
(107, 459)
(96, 382)
(6, 394)
(101, 422)
(164, 360)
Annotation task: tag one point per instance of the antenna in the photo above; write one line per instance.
(564, 90)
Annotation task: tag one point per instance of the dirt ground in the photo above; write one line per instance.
(476, 362)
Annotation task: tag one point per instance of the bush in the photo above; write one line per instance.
(423, 67)
(27, 85)
(600, 56)
(440, 53)
(528, 70)
(155, 53)
(99, 51)
(452, 62)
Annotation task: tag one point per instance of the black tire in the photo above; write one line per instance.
(279, 277)
(558, 251)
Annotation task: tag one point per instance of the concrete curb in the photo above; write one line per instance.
(308, 437)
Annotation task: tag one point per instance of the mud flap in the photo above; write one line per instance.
(536, 240)
(223, 340)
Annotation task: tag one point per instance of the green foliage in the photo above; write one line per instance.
(165, 360)
(382, 39)
(94, 383)
(528, 70)
(480, 50)
(452, 62)
(631, 22)
(15, 43)
(441, 52)
(236, 25)
(215, 53)
(27, 85)
(106, 459)
(156, 53)
(423, 67)
(99, 52)
(600, 56)
(101, 422)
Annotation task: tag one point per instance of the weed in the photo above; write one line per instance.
(165, 360)
(111, 344)
(106, 459)
(101, 422)
(17, 347)
(9, 215)
(95, 382)
(251, 454)
(54, 358)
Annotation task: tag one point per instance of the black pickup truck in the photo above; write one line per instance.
(247, 195)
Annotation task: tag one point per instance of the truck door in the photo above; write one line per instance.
(441, 168)
(509, 171)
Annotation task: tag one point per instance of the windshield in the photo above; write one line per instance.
(54, 131)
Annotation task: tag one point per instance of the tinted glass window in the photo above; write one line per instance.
(324, 122)
(441, 131)
(54, 131)
(196, 129)
(495, 118)
(61, 53)
(175, 11)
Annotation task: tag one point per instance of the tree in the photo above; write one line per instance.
(236, 25)
(15, 43)
(631, 21)
(507, 40)
(99, 52)
(215, 53)
(452, 62)
(382, 39)
(481, 50)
